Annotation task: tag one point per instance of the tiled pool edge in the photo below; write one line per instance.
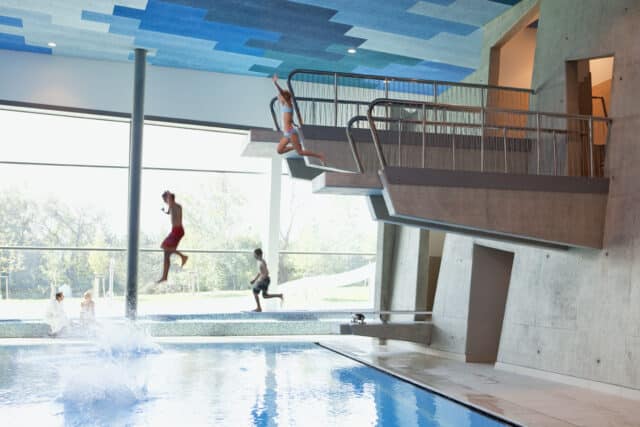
(421, 385)
(193, 328)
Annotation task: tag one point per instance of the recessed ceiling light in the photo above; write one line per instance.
(351, 50)
(51, 44)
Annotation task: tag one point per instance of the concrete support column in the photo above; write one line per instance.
(271, 245)
(135, 175)
(385, 249)
(402, 271)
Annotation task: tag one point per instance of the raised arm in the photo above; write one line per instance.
(275, 82)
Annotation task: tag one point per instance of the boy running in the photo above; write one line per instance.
(170, 244)
(262, 280)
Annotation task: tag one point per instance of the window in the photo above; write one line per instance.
(328, 243)
(63, 221)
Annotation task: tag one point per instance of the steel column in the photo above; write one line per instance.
(135, 175)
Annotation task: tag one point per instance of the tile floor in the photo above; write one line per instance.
(524, 399)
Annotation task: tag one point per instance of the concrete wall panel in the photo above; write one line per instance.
(573, 312)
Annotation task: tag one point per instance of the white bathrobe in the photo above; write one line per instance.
(56, 316)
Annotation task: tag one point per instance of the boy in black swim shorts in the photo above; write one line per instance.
(261, 281)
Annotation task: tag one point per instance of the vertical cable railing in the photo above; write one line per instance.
(438, 136)
(331, 99)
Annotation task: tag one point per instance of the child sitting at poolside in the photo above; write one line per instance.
(262, 281)
(87, 309)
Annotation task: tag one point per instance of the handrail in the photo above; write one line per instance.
(404, 79)
(483, 125)
(402, 102)
(352, 143)
(436, 84)
(276, 124)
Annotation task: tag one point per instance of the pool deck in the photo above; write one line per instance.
(524, 399)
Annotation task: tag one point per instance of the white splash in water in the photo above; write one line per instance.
(114, 377)
(124, 339)
(102, 382)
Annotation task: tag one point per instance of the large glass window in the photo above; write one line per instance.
(63, 199)
(63, 221)
(327, 245)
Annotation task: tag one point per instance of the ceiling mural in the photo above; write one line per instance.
(433, 39)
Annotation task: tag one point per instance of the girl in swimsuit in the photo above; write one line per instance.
(290, 139)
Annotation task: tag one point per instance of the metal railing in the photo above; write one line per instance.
(331, 99)
(327, 98)
(429, 135)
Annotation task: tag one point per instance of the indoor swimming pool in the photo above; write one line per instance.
(135, 382)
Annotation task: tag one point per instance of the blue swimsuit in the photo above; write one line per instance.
(288, 132)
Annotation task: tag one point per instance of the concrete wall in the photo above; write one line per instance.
(403, 262)
(573, 312)
(407, 267)
(106, 85)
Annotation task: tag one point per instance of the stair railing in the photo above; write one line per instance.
(425, 134)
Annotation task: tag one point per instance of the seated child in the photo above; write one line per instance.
(87, 309)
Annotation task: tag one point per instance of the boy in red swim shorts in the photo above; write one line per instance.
(170, 244)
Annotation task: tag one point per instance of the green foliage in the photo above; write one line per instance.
(215, 214)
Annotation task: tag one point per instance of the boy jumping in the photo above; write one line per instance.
(170, 244)
(262, 281)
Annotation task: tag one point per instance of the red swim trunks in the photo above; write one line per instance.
(173, 238)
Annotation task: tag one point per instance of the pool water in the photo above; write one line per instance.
(221, 384)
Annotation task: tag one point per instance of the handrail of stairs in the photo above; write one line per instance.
(484, 131)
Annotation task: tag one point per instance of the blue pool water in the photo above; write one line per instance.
(234, 384)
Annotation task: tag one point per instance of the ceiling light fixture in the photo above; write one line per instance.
(351, 50)
(51, 44)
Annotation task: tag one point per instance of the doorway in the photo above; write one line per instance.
(589, 84)
(490, 276)
(511, 62)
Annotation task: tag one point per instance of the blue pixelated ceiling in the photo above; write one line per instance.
(435, 39)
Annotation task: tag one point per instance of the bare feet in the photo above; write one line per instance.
(184, 260)
(257, 310)
(161, 281)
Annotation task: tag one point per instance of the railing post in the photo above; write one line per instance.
(386, 96)
(435, 92)
(537, 143)
(424, 134)
(376, 140)
(335, 99)
(453, 146)
(555, 154)
(399, 142)
(273, 114)
(591, 171)
(504, 141)
(482, 117)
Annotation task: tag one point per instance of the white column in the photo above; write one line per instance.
(271, 245)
